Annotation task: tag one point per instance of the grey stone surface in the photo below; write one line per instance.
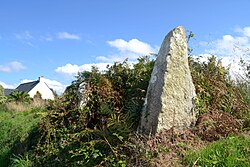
(170, 97)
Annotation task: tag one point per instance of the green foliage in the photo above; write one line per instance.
(15, 129)
(1, 90)
(215, 90)
(92, 122)
(243, 85)
(3, 108)
(19, 97)
(20, 161)
(2, 96)
(132, 83)
(190, 35)
(231, 151)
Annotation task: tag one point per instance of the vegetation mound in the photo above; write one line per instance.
(94, 122)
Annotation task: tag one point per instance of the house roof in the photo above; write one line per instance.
(9, 91)
(26, 87)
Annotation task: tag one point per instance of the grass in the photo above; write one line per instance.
(21, 107)
(20, 161)
(230, 152)
(14, 130)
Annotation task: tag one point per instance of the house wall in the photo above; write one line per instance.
(43, 89)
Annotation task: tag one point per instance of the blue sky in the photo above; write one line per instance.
(55, 39)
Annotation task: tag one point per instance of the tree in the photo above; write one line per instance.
(19, 97)
(2, 96)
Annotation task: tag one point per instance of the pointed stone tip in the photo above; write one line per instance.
(179, 27)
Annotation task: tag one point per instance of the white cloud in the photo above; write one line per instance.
(12, 66)
(72, 69)
(55, 85)
(26, 38)
(230, 45)
(8, 86)
(47, 38)
(245, 31)
(131, 49)
(26, 81)
(231, 49)
(26, 35)
(202, 57)
(134, 45)
(66, 35)
(234, 64)
(118, 57)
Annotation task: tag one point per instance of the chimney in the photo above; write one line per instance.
(41, 79)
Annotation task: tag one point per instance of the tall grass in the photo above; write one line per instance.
(14, 130)
(20, 161)
(230, 152)
(21, 107)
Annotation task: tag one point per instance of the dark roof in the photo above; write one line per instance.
(26, 87)
(9, 91)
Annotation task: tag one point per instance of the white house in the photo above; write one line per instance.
(33, 87)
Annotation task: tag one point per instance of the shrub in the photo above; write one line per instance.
(2, 96)
(19, 97)
(92, 122)
(216, 91)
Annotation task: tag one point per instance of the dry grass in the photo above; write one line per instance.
(168, 147)
(21, 107)
(38, 103)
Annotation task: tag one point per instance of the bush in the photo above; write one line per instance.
(216, 91)
(19, 97)
(2, 96)
(91, 124)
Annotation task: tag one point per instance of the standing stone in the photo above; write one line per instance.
(170, 97)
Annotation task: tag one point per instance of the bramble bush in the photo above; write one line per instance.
(216, 91)
(91, 124)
